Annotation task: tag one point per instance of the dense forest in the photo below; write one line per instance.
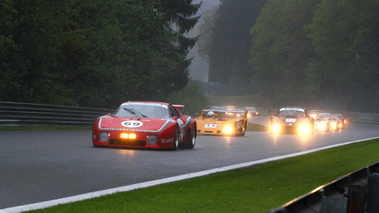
(318, 51)
(99, 53)
(94, 53)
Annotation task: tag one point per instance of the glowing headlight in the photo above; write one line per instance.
(126, 136)
(152, 139)
(305, 129)
(104, 136)
(275, 128)
(227, 129)
(323, 126)
(333, 125)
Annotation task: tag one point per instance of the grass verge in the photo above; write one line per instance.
(253, 189)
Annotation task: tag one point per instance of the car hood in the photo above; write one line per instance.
(132, 124)
(290, 118)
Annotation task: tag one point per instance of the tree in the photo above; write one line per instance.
(94, 53)
(345, 37)
(31, 38)
(281, 50)
(192, 97)
(206, 31)
(229, 51)
(9, 53)
(180, 20)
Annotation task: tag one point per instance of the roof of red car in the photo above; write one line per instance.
(155, 102)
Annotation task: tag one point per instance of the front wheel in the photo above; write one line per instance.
(244, 129)
(175, 145)
(191, 143)
(193, 138)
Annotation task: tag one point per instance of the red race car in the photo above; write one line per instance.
(140, 124)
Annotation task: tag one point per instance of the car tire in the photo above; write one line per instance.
(244, 129)
(175, 145)
(192, 143)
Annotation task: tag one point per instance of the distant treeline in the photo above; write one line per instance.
(313, 50)
(95, 53)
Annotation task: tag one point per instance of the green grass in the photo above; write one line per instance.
(253, 189)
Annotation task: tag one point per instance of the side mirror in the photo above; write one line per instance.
(109, 114)
(175, 118)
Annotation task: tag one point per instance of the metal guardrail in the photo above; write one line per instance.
(363, 117)
(355, 192)
(28, 114)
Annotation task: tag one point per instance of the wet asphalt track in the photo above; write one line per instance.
(37, 166)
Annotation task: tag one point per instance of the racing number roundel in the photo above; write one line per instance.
(130, 124)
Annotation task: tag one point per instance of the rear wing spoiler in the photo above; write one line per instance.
(180, 108)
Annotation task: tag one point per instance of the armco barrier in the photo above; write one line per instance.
(363, 117)
(27, 114)
(355, 192)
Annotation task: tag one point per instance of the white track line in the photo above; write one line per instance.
(90, 195)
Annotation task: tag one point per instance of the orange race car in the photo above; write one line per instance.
(222, 122)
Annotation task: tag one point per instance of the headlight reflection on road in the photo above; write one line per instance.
(304, 139)
(129, 153)
(275, 138)
(227, 139)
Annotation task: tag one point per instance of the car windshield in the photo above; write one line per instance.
(250, 108)
(233, 114)
(292, 112)
(324, 116)
(336, 117)
(222, 114)
(142, 111)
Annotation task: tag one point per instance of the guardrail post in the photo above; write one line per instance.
(357, 199)
(373, 189)
(334, 198)
(334, 205)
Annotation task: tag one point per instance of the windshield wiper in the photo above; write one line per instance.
(134, 112)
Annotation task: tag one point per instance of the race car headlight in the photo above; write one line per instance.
(305, 129)
(275, 128)
(152, 139)
(128, 136)
(104, 136)
(227, 129)
(323, 126)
